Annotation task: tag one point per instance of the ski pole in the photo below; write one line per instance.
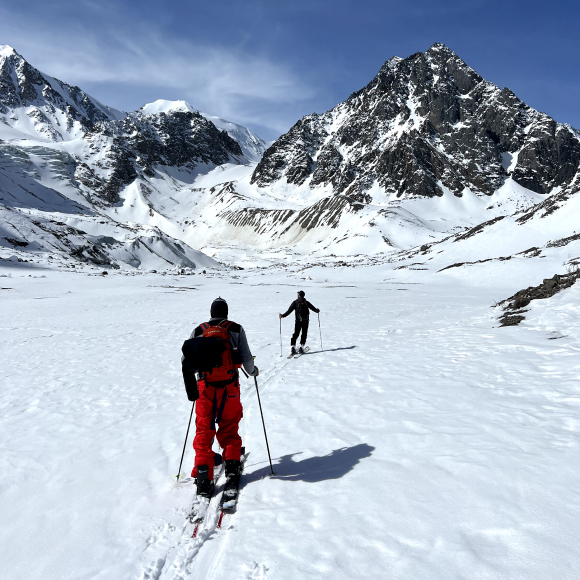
(280, 337)
(320, 330)
(264, 425)
(185, 442)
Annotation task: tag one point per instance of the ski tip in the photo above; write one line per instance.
(230, 509)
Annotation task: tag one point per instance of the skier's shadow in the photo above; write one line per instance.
(315, 469)
(331, 349)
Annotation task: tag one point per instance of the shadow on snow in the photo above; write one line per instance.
(330, 349)
(315, 469)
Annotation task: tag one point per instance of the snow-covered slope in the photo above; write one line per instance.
(550, 228)
(64, 239)
(45, 218)
(425, 442)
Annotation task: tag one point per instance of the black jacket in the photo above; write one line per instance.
(300, 307)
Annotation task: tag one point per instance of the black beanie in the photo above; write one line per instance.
(301, 294)
(219, 308)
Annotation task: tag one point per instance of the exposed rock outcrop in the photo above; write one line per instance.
(513, 313)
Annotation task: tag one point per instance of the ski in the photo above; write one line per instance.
(299, 354)
(200, 507)
(230, 494)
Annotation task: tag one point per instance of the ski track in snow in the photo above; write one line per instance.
(424, 442)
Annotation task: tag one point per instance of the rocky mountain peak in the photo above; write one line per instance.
(441, 53)
(424, 124)
(251, 145)
(37, 105)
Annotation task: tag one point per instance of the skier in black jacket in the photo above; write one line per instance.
(301, 308)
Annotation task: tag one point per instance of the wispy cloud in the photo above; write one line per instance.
(233, 83)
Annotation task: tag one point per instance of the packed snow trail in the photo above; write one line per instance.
(424, 442)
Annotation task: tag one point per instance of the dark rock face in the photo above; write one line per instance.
(291, 155)
(422, 123)
(134, 146)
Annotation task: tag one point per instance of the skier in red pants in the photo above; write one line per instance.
(218, 389)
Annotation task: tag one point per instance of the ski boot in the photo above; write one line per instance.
(293, 351)
(301, 349)
(203, 483)
(231, 488)
(232, 469)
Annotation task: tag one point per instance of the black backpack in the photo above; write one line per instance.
(302, 309)
(211, 356)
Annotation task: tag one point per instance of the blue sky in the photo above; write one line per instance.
(266, 63)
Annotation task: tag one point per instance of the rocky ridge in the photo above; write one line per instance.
(119, 152)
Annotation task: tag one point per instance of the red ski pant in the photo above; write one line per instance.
(215, 405)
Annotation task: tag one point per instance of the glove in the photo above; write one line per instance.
(318, 311)
(280, 316)
(190, 384)
(255, 372)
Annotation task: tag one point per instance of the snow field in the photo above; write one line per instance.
(425, 442)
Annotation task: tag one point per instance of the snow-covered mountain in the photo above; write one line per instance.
(427, 147)
(425, 124)
(64, 154)
(426, 150)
